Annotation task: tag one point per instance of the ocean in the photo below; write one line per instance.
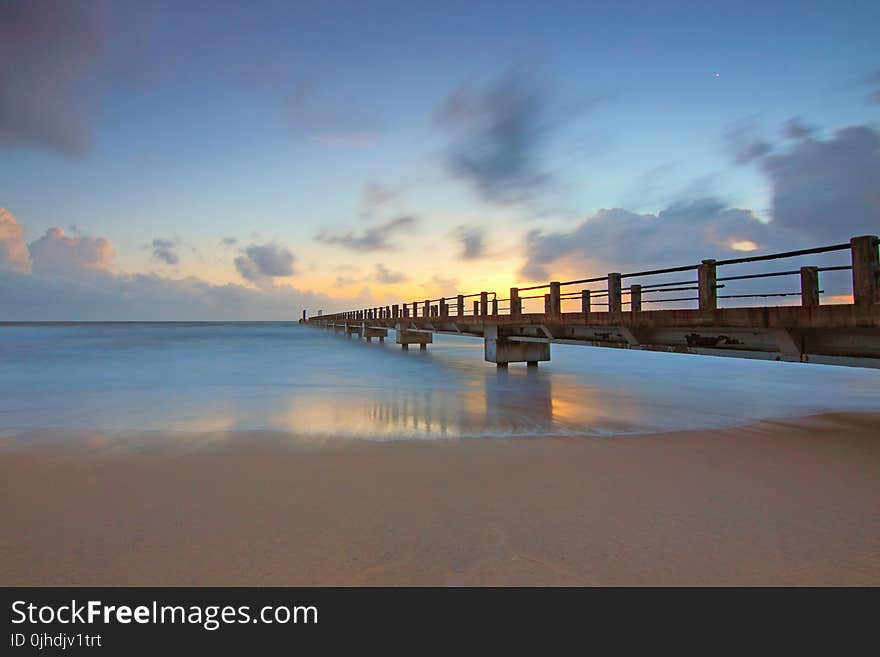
(209, 377)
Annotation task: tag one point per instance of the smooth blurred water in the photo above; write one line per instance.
(280, 376)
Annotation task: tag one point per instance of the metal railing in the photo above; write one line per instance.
(609, 292)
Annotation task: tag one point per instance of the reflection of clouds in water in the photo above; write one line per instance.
(213, 379)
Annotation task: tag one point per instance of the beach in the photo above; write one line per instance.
(777, 502)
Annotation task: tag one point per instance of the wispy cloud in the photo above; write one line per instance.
(375, 238)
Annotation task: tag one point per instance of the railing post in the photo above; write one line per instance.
(395, 311)
(635, 297)
(515, 307)
(444, 309)
(476, 308)
(547, 304)
(585, 302)
(460, 305)
(495, 305)
(614, 305)
(865, 270)
(484, 303)
(555, 299)
(809, 286)
(427, 307)
(708, 292)
(387, 312)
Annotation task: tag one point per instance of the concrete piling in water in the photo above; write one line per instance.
(501, 349)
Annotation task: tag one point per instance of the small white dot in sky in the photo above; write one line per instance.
(718, 75)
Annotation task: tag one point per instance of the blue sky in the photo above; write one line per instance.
(190, 122)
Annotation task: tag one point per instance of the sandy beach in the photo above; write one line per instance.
(792, 502)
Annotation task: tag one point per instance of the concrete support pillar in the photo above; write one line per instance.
(460, 305)
(809, 286)
(515, 303)
(708, 291)
(635, 297)
(865, 270)
(555, 298)
(614, 304)
(585, 302)
(484, 303)
(501, 350)
(406, 337)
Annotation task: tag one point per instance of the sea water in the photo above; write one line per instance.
(206, 377)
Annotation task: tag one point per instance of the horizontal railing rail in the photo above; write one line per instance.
(613, 295)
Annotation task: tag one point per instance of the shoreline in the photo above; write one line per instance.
(778, 502)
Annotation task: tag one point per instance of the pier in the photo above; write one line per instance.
(702, 308)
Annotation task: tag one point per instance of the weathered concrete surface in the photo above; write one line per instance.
(848, 334)
(501, 350)
(407, 336)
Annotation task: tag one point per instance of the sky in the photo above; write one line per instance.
(231, 160)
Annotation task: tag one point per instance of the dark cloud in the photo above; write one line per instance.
(473, 242)
(743, 144)
(794, 128)
(384, 275)
(165, 251)
(14, 255)
(258, 262)
(229, 241)
(376, 238)
(50, 53)
(56, 253)
(500, 132)
(683, 233)
(827, 190)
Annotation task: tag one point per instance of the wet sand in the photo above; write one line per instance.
(794, 502)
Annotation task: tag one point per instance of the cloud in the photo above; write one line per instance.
(376, 238)
(383, 275)
(258, 262)
(50, 52)
(827, 190)
(106, 296)
(346, 139)
(500, 131)
(229, 241)
(14, 255)
(794, 128)
(874, 81)
(744, 146)
(71, 281)
(165, 251)
(683, 233)
(375, 196)
(58, 254)
(472, 240)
